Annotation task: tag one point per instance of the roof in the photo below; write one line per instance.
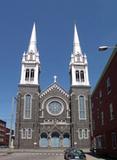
(52, 87)
(2, 121)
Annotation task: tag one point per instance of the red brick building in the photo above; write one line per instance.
(7, 137)
(2, 133)
(104, 110)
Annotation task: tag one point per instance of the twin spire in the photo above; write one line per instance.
(33, 42)
(32, 55)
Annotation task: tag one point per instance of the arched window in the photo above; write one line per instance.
(32, 74)
(27, 107)
(77, 75)
(82, 108)
(86, 136)
(29, 133)
(80, 133)
(82, 76)
(27, 74)
(23, 133)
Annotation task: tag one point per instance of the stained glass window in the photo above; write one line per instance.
(27, 106)
(82, 108)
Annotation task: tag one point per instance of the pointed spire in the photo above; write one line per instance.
(76, 43)
(33, 41)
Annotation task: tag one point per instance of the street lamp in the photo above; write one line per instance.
(11, 122)
(103, 48)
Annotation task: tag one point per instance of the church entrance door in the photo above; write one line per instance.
(43, 140)
(66, 140)
(55, 140)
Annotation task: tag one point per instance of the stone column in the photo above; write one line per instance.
(61, 141)
(49, 141)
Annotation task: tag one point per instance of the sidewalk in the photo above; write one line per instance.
(8, 151)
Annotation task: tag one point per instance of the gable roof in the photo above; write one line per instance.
(53, 87)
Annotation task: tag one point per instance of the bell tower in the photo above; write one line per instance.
(78, 64)
(30, 62)
(80, 93)
(27, 126)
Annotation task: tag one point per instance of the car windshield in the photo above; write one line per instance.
(78, 151)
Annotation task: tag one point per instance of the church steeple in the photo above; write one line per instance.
(33, 41)
(31, 62)
(79, 94)
(76, 43)
(78, 64)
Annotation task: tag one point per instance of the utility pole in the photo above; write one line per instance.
(11, 122)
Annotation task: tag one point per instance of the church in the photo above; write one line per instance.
(53, 118)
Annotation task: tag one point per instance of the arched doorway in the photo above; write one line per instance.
(43, 142)
(55, 139)
(66, 140)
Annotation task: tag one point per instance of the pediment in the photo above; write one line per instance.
(54, 87)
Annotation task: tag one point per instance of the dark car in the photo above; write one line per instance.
(66, 152)
(74, 153)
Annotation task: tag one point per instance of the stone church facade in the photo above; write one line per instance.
(53, 118)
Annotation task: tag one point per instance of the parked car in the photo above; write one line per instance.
(66, 152)
(74, 153)
(3, 146)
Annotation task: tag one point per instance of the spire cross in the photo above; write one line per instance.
(55, 78)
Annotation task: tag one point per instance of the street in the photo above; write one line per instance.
(32, 156)
(37, 156)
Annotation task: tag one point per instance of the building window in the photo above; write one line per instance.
(102, 118)
(27, 74)
(29, 133)
(82, 76)
(32, 75)
(100, 93)
(1, 139)
(86, 133)
(26, 133)
(93, 125)
(111, 111)
(100, 141)
(27, 107)
(83, 133)
(77, 76)
(80, 133)
(23, 133)
(100, 96)
(82, 108)
(114, 140)
(92, 105)
(108, 85)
